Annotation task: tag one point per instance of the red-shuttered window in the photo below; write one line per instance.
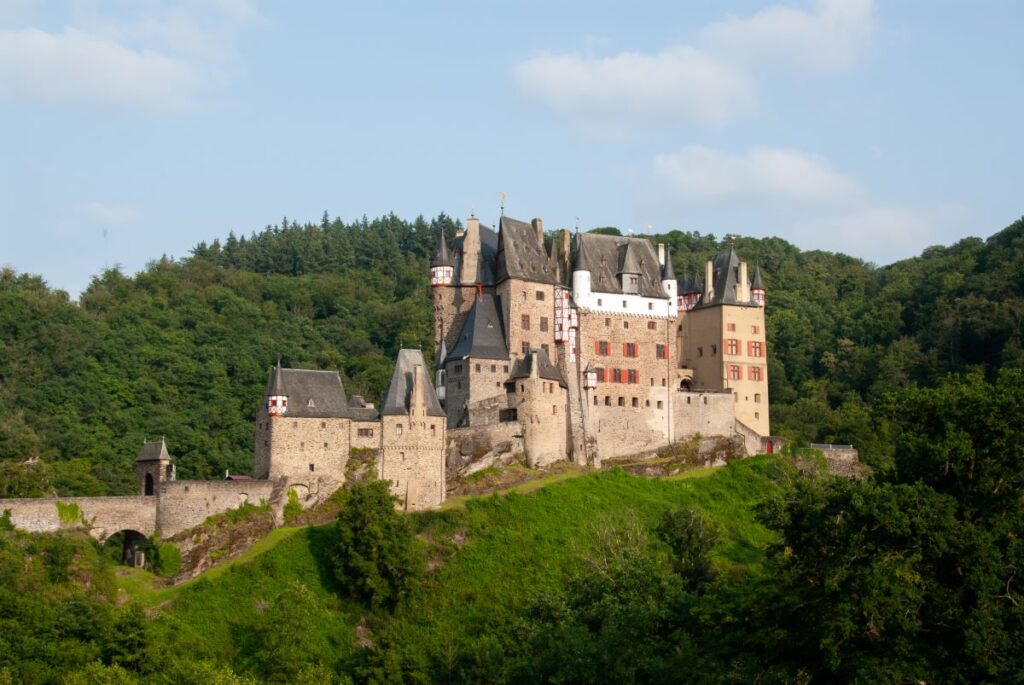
(632, 376)
(602, 348)
(629, 350)
(755, 348)
(735, 373)
(754, 373)
(661, 351)
(732, 346)
(616, 375)
(600, 375)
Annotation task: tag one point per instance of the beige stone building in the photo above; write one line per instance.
(623, 358)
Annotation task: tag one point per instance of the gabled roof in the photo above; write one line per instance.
(441, 257)
(607, 256)
(482, 335)
(398, 398)
(521, 255)
(538, 358)
(311, 394)
(153, 451)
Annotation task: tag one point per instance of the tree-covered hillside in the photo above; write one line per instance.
(181, 350)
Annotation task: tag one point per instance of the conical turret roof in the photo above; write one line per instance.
(757, 284)
(667, 272)
(441, 258)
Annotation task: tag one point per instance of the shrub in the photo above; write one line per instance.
(165, 557)
(374, 554)
(69, 513)
(292, 509)
(5, 520)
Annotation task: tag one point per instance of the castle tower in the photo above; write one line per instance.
(540, 402)
(303, 427)
(153, 466)
(412, 454)
(724, 342)
(668, 279)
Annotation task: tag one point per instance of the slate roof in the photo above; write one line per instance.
(725, 272)
(482, 334)
(153, 451)
(668, 273)
(441, 258)
(757, 284)
(521, 255)
(607, 256)
(311, 394)
(359, 410)
(398, 395)
(538, 357)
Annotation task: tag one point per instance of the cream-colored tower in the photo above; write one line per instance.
(723, 339)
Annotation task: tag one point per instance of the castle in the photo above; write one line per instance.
(559, 347)
(589, 346)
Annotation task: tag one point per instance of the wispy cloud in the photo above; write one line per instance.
(152, 55)
(605, 95)
(833, 35)
(108, 214)
(711, 81)
(701, 175)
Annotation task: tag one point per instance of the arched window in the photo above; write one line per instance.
(149, 484)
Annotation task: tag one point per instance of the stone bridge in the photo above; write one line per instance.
(101, 516)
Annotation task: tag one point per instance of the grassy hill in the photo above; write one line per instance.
(488, 559)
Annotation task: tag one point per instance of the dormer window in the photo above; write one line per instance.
(311, 403)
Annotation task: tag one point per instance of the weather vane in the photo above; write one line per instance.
(501, 199)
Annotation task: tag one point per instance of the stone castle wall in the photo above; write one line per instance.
(183, 504)
(103, 516)
(305, 448)
(706, 413)
(412, 459)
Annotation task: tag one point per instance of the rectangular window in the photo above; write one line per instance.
(506, 415)
(734, 372)
(629, 350)
(526, 347)
(544, 324)
(325, 445)
(540, 295)
(478, 368)
(600, 375)
(650, 305)
(607, 401)
(625, 324)
(732, 346)
(632, 376)
(661, 351)
(398, 429)
(607, 322)
(599, 303)
(554, 409)
(506, 368)
(312, 468)
(756, 348)
(636, 403)
(616, 375)
(433, 430)
(494, 367)
(457, 369)
(757, 398)
(622, 401)
(323, 424)
(526, 322)
(659, 404)
(624, 305)
(595, 400)
(602, 348)
(730, 327)
(365, 432)
(755, 329)
(755, 373)
(652, 325)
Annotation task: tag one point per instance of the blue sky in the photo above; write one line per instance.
(135, 128)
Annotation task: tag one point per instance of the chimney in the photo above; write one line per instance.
(472, 224)
(661, 254)
(538, 227)
(709, 282)
(743, 293)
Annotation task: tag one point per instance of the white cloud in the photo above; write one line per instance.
(883, 233)
(832, 36)
(108, 214)
(154, 55)
(710, 81)
(609, 95)
(702, 175)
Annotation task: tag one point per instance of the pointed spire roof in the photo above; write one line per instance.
(757, 284)
(442, 257)
(630, 259)
(482, 335)
(582, 259)
(667, 272)
(537, 360)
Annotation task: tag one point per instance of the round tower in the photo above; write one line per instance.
(277, 403)
(668, 282)
(442, 270)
